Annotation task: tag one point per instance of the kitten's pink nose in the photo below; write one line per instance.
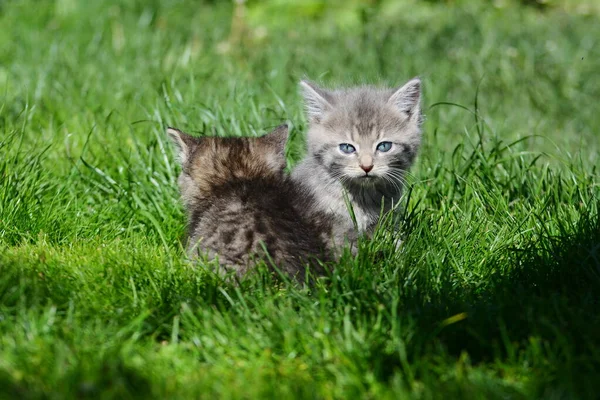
(367, 168)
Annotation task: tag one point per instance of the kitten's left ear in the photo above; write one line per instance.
(276, 139)
(408, 98)
(317, 101)
(184, 142)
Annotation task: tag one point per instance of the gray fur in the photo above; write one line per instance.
(364, 117)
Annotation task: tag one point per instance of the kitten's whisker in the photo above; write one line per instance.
(393, 182)
(404, 182)
(398, 176)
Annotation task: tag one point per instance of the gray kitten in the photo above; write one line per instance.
(240, 204)
(360, 143)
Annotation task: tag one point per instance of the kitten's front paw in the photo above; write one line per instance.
(398, 243)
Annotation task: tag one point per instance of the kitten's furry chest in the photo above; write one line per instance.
(330, 198)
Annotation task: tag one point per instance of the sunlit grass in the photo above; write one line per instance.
(492, 295)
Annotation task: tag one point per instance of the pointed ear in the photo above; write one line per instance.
(276, 139)
(408, 98)
(316, 100)
(272, 147)
(184, 142)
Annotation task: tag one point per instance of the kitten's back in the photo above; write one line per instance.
(241, 206)
(243, 219)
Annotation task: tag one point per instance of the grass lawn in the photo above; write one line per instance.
(494, 294)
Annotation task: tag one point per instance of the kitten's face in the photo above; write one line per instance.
(364, 136)
(210, 162)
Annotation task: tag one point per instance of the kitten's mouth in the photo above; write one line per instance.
(363, 181)
(367, 179)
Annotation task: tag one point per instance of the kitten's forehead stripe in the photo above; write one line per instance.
(353, 133)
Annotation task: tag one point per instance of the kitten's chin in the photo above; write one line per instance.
(366, 180)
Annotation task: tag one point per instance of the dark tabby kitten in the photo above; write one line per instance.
(240, 203)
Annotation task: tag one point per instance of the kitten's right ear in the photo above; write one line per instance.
(184, 142)
(317, 100)
(408, 98)
(277, 138)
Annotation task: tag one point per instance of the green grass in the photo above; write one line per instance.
(493, 295)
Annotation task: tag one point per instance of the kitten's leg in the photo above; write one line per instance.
(399, 243)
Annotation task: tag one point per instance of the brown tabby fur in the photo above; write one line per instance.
(239, 203)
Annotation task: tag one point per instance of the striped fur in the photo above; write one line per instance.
(240, 203)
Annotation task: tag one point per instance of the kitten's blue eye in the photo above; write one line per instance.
(384, 146)
(347, 148)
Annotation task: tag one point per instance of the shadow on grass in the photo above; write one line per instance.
(117, 380)
(541, 313)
